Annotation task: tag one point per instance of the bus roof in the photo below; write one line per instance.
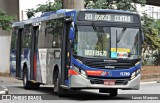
(61, 13)
(96, 10)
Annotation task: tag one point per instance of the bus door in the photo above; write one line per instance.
(33, 53)
(65, 54)
(18, 53)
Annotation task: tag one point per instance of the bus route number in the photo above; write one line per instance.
(97, 17)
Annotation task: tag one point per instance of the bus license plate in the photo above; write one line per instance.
(109, 82)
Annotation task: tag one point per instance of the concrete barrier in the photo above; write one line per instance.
(5, 54)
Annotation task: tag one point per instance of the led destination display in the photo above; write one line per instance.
(117, 17)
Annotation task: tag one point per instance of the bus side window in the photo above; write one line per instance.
(58, 31)
(54, 31)
(27, 37)
(48, 37)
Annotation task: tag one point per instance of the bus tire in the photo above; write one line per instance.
(62, 92)
(113, 93)
(56, 81)
(26, 83)
(35, 86)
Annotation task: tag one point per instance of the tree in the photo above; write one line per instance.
(30, 13)
(5, 21)
(150, 32)
(114, 4)
(48, 6)
(157, 58)
(151, 29)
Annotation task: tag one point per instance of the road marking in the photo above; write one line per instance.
(4, 91)
(148, 82)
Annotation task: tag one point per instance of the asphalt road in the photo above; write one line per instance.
(83, 96)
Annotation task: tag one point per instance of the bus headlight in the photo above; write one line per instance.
(138, 71)
(80, 71)
(134, 74)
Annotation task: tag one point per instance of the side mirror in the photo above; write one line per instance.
(71, 33)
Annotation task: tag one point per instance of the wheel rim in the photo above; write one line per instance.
(24, 79)
(56, 83)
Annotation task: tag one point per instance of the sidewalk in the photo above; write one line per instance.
(7, 79)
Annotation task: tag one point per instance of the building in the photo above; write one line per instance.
(150, 10)
(11, 7)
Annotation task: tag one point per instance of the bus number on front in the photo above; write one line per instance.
(124, 73)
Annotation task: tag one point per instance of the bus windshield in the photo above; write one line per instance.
(106, 42)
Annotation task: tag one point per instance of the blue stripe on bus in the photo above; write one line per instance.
(115, 72)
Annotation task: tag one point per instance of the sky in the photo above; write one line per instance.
(29, 4)
(152, 11)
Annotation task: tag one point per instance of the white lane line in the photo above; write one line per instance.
(4, 91)
(148, 82)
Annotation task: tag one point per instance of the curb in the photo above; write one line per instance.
(4, 90)
(151, 82)
(150, 76)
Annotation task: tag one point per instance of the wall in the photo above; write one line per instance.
(5, 54)
(11, 7)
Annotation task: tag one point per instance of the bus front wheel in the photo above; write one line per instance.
(56, 81)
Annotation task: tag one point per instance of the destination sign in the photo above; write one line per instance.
(106, 17)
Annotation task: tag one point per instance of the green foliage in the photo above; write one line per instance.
(30, 13)
(150, 32)
(157, 58)
(151, 29)
(5, 21)
(157, 26)
(48, 6)
(114, 4)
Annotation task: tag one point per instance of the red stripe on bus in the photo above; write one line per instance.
(72, 72)
(35, 66)
(94, 72)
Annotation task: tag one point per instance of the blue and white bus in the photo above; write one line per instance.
(79, 49)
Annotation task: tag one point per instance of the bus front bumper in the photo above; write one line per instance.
(77, 81)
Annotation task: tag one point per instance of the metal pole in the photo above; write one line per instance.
(49, 5)
(73, 4)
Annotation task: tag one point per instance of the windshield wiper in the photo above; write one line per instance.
(94, 27)
(99, 36)
(121, 35)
